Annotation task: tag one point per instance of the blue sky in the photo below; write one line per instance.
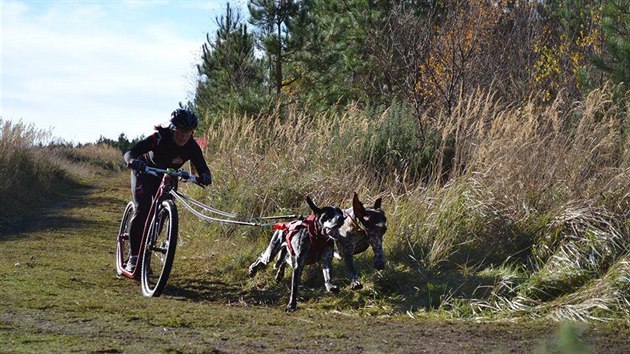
(85, 69)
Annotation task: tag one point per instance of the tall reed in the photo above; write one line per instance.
(24, 173)
(493, 185)
(33, 167)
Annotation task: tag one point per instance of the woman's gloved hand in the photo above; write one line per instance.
(137, 165)
(205, 179)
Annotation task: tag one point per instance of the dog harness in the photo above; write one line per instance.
(318, 241)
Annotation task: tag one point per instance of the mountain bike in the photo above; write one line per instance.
(159, 237)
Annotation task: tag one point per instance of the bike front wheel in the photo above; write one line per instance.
(159, 250)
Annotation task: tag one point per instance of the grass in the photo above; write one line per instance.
(33, 169)
(540, 189)
(511, 213)
(61, 294)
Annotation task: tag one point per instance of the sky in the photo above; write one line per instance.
(83, 69)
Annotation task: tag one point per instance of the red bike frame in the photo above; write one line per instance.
(163, 193)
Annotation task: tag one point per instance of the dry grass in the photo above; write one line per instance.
(87, 161)
(502, 210)
(34, 169)
(25, 174)
(551, 180)
(539, 189)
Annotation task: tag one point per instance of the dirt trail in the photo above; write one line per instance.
(59, 293)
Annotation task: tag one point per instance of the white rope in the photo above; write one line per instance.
(186, 201)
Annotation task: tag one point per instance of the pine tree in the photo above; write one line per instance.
(230, 76)
(616, 25)
(273, 20)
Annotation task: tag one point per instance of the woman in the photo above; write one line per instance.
(168, 147)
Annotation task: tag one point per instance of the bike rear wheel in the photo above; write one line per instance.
(123, 245)
(159, 250)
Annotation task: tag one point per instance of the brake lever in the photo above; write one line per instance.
(194, 180)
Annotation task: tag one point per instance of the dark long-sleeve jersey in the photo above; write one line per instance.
(159, 150)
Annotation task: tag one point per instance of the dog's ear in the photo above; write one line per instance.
(357, 206)
(377, 204)
(312, 205)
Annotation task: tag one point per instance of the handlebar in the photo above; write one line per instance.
(184, 175)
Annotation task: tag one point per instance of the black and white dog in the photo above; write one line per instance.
(303, 242)
(363, 227)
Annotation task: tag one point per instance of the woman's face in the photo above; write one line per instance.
(181, 136)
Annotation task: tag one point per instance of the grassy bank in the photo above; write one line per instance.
(35, 171)
(494, 211)
(59, 293)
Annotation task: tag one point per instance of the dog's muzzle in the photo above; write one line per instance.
(331, 232)
(332, 228)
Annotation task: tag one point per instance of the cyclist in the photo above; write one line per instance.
(168, 147)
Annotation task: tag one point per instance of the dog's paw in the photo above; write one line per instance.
(253, 269)
(331, 288)
(379, 265)
(280, 275)
(356, 285)
(291, 308)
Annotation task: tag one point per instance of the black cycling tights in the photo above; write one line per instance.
(143, 188)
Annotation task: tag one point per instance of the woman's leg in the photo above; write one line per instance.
(143, 187)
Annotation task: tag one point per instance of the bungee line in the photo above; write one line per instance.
(186, 201)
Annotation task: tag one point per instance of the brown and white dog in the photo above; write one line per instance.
(363, 227)
(303, 242)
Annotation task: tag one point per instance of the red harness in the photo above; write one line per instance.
(318, 241)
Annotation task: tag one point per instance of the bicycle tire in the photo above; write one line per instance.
(159, 250)
(123, 245)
